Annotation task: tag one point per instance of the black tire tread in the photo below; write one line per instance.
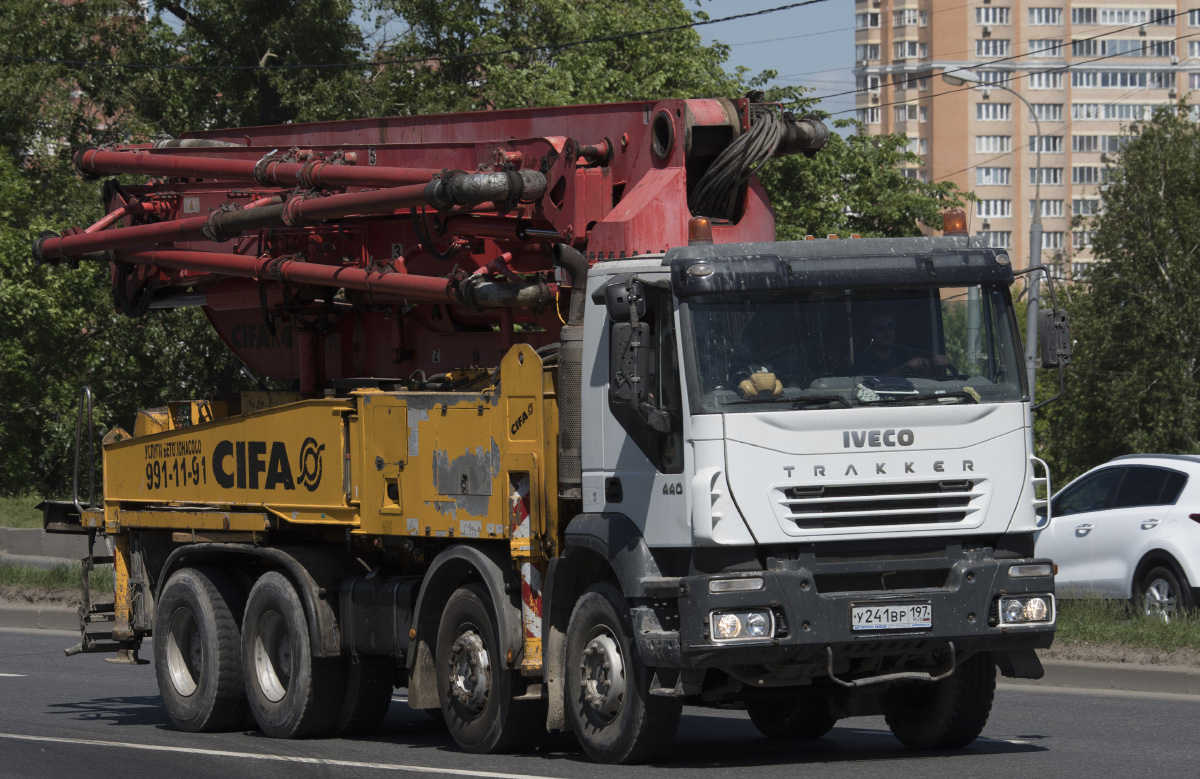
(954, 714)
(368, 696)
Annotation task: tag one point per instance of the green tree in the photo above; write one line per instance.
(1133, 383)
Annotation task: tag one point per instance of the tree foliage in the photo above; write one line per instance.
(129, 71)
(1133, 384)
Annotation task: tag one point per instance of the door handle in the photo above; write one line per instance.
(1082, 530)
(1150, 524)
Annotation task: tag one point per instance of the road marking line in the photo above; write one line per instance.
(277, 758)
(14, 676)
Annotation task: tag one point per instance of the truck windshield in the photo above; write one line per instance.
(828, 349)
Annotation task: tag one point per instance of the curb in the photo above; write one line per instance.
(1176, 680)
(39, 617)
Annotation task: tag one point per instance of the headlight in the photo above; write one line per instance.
(746, 625)
(1027, 610)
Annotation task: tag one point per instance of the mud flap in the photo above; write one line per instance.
(1019, 664)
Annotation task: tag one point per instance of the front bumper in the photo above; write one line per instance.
(809, 622)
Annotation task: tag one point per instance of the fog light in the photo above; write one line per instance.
(756, 625)
(1013, 611)
(1035, 610)
(728, 626)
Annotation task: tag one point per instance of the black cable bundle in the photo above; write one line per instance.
(716, 194)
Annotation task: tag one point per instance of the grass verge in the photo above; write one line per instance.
(1095, 621)
(20, 512)
(60, 577)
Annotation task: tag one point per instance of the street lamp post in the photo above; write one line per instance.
(1035, 227)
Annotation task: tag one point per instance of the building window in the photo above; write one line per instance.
(992, 47)
(868, 21)
(996, 239)
(1045, 47)
(908, 50)
(1048, 176)
(1098, 143)
(1048, 112)
(993, 209)
(866, 51)
(911, 113)
(993, 144)
(1194, 81)
(918, 146)
(1048, 144)
(994, 17)
(1081, 239)
(867, 83)
(1194, 48)
(1050, 208)
(987, 176)
(995, 76)
(1193, 18)
(909, 17)
(1085, 206)
(1124, 79)
(1088, 174)
(1045, 17)
(869, 115)
(1046, 79)
(1079, 270)
(993, 112)
(1123, 112)
(916, 173)
(1123, 47)
(1052, 240)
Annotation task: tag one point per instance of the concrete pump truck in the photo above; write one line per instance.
(572, 441)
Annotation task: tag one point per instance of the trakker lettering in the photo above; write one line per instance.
(255, 464)
(876, 438)
(938, 466)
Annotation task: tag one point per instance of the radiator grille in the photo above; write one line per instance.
(876, 505)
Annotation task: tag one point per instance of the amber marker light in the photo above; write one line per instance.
(954, 222)
(699, 230)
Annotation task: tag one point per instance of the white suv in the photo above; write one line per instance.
(1129, 529)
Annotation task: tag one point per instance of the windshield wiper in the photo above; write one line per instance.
(797, 402)
(970, 398)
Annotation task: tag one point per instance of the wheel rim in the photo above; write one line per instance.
(1159, 600)
(273, 656)
(602, 675)
(470, 668)
(185, 652)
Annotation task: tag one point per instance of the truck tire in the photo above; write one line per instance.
(197, 656)
(607, 686)
(475, 690)
(792, 719)
(291, 693)
(368, 695)
(948, 714)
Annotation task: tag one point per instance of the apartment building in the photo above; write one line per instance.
(1082, 70)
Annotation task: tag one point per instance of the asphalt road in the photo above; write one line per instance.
(71, 716)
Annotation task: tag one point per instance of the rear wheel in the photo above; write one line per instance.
(948, 714)
(196, 651)
(291, 693)
(614, 717)
(792, 719)
(475, 690)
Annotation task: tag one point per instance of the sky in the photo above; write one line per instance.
(811, 46)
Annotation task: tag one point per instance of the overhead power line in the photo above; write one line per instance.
(423, 58)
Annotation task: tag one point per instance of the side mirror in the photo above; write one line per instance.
(629, 363)
(1054, 333)
(622, 300)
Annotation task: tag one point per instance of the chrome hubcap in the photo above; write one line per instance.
(185, 652)
(1159, 600)
(602, 675)
(273, 657)
(469, 669)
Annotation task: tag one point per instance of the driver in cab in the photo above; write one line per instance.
(883, 357)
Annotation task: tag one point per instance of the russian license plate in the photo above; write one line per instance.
(892, 616)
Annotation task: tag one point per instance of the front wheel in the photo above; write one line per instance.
(948, 714)
(792, 719)
(1160, 594)
(614, 717)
